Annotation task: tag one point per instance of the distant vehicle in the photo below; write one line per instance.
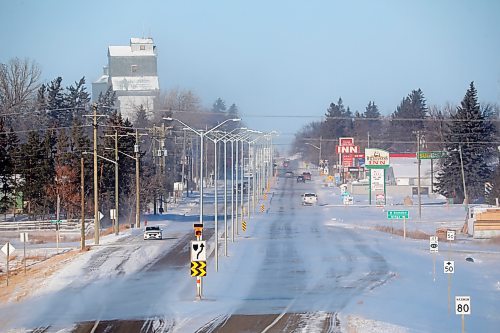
(301, 179)
(307, 175)
(289, 174)
(153, 232)
(309, 199)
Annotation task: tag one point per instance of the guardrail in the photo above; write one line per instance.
(47, 225)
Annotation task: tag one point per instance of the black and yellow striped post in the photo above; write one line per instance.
(244, 225)
(262, 208)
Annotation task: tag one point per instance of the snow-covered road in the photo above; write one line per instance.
(297, 268)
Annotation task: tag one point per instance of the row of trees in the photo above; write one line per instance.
(44, 132)
(469, 127)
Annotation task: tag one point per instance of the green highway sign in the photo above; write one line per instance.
(431, 155)
(56, 221)
(398, 214)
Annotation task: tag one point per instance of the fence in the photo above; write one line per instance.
(66, 226)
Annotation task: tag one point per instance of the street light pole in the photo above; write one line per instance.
(202, 135)
(319, 148)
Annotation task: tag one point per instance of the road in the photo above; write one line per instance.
(300, 275)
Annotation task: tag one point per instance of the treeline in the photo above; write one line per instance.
(46, 129)
(469, 128)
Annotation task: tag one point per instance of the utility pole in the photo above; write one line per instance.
(97, 222)
(184, 161)
(137, 179)
(82, 194)
(117, 223)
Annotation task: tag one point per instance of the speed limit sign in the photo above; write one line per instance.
(449, 267)
(462, 305)
(433, 244)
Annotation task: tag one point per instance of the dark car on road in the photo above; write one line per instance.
(306, 175)
(301, 179)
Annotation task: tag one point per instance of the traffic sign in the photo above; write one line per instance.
(462, 305)
(55, 221)
(348, 199)
(450, 235)
(23, 237)
(433, 244)
(449, 267)
(431, 155)
(398, 214)
(198, 268)
(198, 251)
(244, 225)
(8, 248)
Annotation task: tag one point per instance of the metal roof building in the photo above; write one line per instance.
(132, 73)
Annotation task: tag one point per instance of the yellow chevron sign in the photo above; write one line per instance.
(244, 225)
(198, 268)
(262, 208)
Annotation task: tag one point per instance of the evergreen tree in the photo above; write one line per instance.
(106, 102)
(219, 105)
(126, 165)
(406, 120)
(77, 99)
(233, 111)
(56, 102)
(142, 120)
(338, 123)
(41, 99)
(472, 133)
(33, 187)
(64, 155)
(6, 170)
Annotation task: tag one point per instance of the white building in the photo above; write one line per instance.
(132, 74)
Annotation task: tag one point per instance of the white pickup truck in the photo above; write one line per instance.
(152, 232)
(309, 199)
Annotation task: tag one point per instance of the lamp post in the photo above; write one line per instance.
(239, 175)
(202, 134)
(319, 148)
(225, 137)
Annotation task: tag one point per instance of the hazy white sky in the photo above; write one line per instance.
(281, 58)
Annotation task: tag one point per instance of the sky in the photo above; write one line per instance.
(285, 59)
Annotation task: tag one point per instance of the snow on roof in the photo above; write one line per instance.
(127, 83)
(141, 40)
(126, 51)
(102, 79)
(408, 168)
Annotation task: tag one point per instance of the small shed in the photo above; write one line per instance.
(485, 222)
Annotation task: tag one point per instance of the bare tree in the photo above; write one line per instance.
(19, 80)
